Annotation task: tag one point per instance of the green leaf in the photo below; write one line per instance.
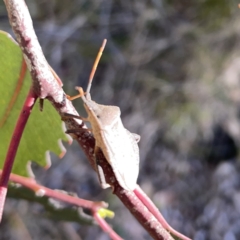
(43, 130)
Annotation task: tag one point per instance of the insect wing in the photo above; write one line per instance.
(122, 154)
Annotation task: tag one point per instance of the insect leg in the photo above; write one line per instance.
(80, 95)
(76, 130)
(136, 137)
(41, 102)
(99, 169)
(68, 115)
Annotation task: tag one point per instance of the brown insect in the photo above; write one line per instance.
(118, 145)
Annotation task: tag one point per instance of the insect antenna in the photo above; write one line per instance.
(80, 90)
(95, 66)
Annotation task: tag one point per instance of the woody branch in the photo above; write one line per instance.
(46, 86)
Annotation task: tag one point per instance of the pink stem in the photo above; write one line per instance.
(44, 191)
(105, 227)
(93, 206)
(156, 213)
(12, 149)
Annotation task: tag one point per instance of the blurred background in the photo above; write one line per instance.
(173, 68)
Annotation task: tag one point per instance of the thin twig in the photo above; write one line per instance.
(61, 196)
(134, 204)
(44, 191)
(106, 228)
(153, 209)
(45, 86)
(14, 143)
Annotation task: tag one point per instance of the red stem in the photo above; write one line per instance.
(105, 227)
(34, 186)
(14, 143)
(46, 85)
(93, 206)
(156, 213)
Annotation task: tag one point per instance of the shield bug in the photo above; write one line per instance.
(118, 145)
